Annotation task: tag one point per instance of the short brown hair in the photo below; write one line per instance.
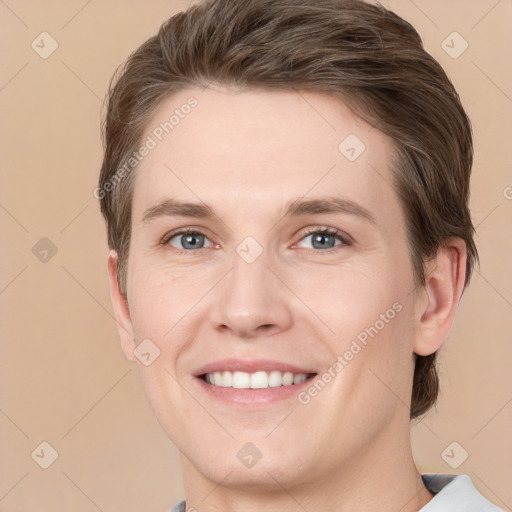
(366, 55)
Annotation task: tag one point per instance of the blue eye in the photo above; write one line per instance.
(188, 240)
(325, 238)
(322, 240)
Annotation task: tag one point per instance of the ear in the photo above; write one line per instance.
(121, 309)
(445, 276)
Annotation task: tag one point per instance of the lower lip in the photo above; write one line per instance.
(253, 397)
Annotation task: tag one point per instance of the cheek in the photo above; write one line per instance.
(350, 297)
(368, 311)
(159, 299)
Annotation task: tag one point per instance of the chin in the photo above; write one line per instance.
(268, 473)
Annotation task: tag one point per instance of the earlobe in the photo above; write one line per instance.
(121, 309)
(444, 285)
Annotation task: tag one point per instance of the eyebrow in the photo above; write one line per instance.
(300, 206)
(176, 208)
(294, 208)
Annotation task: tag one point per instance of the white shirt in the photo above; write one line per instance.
(453, 493)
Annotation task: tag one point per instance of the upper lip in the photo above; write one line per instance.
(249, 366)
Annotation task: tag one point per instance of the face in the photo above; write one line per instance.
(268, 247)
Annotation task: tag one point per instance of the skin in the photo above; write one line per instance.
(246, 153)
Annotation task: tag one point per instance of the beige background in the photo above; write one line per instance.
(63, 378)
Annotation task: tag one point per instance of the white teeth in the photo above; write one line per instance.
(274, 379)
(227, 378)
(288, 379)
(241, 380)
(257, 380)
(300, 377)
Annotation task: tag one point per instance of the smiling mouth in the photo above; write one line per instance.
(256, 380)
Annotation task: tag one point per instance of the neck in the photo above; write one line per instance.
(379, 477)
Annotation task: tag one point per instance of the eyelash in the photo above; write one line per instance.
(345, 239)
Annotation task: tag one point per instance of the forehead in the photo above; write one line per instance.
(260, 147)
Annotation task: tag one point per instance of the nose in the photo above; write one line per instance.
(251, 301)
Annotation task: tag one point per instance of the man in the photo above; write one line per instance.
(285, 185)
